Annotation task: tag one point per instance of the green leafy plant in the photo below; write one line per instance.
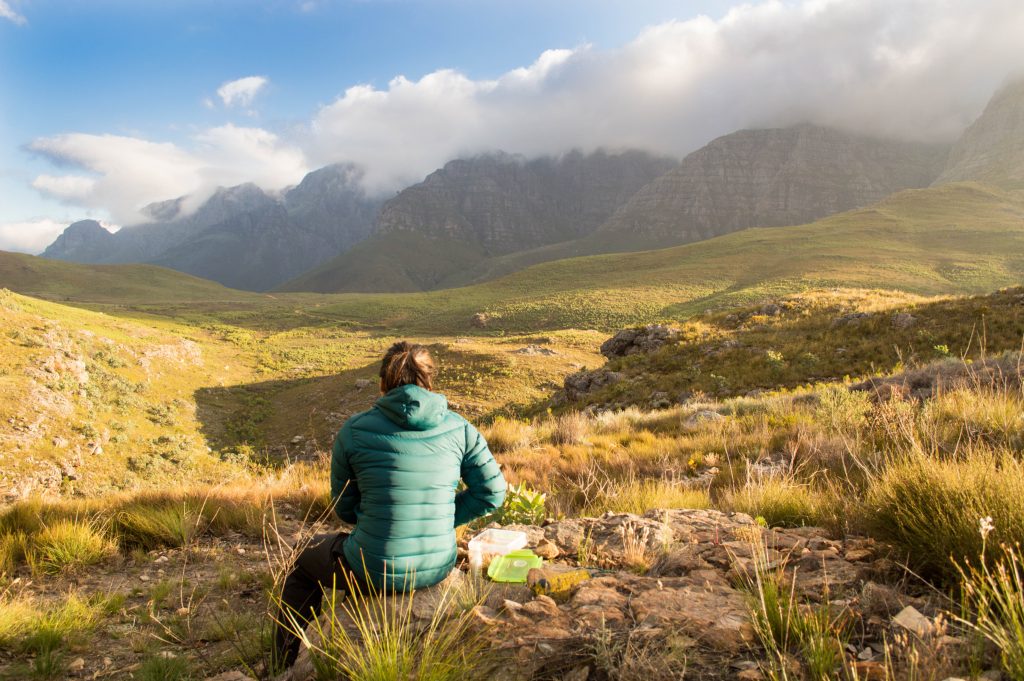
(523, 506)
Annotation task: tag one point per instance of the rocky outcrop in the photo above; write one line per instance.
(577, 385)
(638, 340)
(992, 148)
(765, 178)
(504, 203)
(687, 571)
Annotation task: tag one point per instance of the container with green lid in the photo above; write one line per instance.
(512, 567)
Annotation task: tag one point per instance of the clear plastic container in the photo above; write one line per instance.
(493, 542)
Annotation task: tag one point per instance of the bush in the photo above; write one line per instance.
(931, 507)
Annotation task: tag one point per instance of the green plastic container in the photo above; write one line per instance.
(513, 566)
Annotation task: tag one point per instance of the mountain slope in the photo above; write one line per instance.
(473, 209)
(767, 178)
(53, 279)
(241, 236)
(992, 148)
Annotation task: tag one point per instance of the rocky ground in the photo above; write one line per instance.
(668, 597)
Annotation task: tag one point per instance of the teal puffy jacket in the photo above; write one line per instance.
(394, 472)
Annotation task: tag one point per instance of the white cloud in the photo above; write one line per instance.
(917, 69)
(30, 236)
(241, 92)
(124, 174)
(6, 12)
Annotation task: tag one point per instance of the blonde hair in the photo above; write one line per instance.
(406, 363)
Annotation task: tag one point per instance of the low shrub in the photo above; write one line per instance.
(507, 435)
(931, 507)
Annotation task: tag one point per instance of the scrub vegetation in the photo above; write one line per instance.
(165, 440)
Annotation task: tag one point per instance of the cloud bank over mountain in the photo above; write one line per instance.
(915, 69)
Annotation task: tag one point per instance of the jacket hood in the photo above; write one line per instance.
(413, 408)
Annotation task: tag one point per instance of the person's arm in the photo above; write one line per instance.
(485, 485)
(344, 490)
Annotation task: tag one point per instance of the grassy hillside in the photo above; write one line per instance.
(961, 238)
(59, 280)
(954, 239)
(819, 336)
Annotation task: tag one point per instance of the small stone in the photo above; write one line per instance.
(911, 619)
(107, 662)
(144, 577)
(362, 383)
(577, 674)
(858, 555)
(161, 559)
(240, 551)
(750, 675)
(547, 549)
(871, 671)
(182, 612)
(76, 665)
(298, 439)
(166, 654)
(866, 654)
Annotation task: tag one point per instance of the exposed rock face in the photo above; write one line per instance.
(992, 149)
(632, 341)
(504, 203)
(242, 236)
(82, 238)
(579, 384)
(764, 178)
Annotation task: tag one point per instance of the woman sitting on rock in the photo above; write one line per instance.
(394, 472)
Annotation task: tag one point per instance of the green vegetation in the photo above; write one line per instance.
(384, 642)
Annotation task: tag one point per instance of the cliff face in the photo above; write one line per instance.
(992, 148)
(501, 203)
(762, 178)
(85, 237)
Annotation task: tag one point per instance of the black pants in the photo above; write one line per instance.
(320, 566)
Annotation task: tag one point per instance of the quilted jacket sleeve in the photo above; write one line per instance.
(485, 485)
(344, 489)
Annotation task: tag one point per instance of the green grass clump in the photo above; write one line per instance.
(67, 545)
(162, 524)
(994, 597)
(641, 495)
(374, 637)
(931, 507)
(161, 668)
(780, 499)
(786, 627)
(506, 435)
(13, 547)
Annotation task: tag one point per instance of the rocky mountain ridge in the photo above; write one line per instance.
(241, 236)
(992, 148)
(768, 178)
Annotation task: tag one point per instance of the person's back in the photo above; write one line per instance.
(394, 473)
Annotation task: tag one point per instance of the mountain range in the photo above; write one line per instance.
(493, 214)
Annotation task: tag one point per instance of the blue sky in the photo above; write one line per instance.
(107, 105)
